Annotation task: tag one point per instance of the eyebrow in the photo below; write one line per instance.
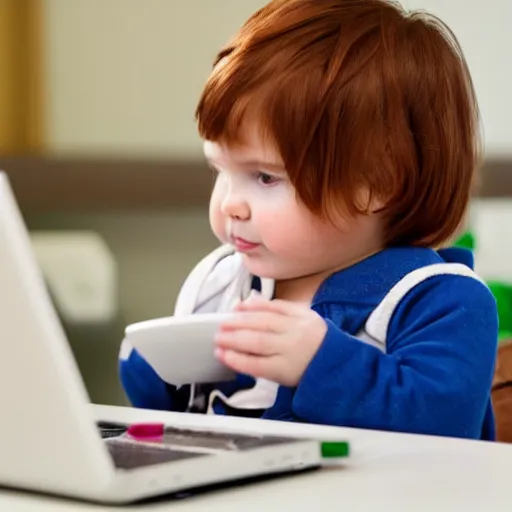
(271, 166)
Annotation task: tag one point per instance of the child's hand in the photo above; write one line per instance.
(274, 339)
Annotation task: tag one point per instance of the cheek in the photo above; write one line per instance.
(287, 228)
(294, 232)
(215, 215)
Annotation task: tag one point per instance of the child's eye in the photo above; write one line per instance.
(267, 179)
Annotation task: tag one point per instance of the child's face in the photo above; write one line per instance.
(254, 208)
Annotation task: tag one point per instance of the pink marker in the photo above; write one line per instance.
(146, 431)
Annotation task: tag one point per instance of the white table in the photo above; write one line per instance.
(387, 472)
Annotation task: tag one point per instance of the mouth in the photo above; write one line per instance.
(242, 245)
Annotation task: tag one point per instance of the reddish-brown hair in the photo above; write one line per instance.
(355, 95)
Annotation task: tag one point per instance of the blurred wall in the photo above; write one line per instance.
(483, 32)
(124, 76)
(154, 251)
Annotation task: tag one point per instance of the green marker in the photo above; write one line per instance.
(334, 449)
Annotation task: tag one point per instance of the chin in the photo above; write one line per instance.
(266, 269)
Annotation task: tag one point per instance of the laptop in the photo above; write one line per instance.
(49, 440)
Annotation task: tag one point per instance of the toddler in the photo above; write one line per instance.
(344, 139)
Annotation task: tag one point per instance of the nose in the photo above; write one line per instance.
(235, 206)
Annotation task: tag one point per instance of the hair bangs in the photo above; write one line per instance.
(365, 103)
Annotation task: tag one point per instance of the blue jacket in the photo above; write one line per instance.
(435, 377)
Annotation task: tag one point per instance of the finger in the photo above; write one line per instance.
(265, 321)
(250, 342)
(247, 364)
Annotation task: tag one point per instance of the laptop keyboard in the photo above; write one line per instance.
(128, 455)
(221, 441)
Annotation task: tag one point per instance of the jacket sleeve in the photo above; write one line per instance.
(145, 389)
(435, 377)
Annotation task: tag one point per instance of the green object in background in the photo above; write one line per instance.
(501, 290)
(503, 295)
(466, 241)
